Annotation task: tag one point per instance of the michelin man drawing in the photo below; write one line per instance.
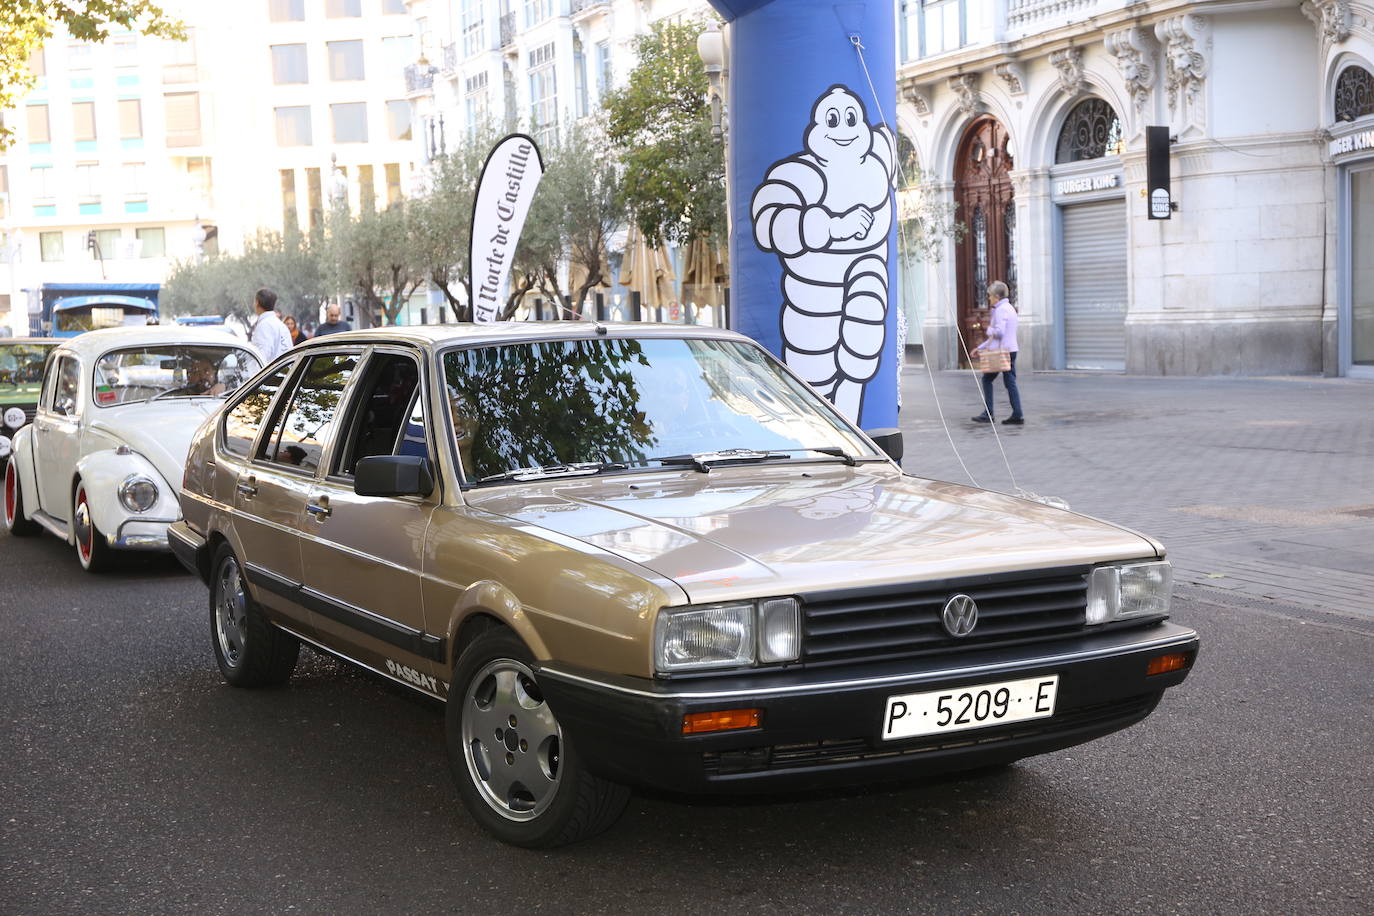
(827, 212)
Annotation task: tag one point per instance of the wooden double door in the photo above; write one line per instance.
(986, 251)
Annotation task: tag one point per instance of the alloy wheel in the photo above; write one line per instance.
(511, 741)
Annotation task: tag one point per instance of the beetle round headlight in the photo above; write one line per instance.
(15, 417)
(138, 494)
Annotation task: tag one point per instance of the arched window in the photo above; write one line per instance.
(908, 163)
(1092, 130)
(1354, 94)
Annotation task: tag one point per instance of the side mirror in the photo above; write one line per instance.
(393, 475)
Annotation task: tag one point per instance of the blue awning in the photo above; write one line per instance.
(76, 302)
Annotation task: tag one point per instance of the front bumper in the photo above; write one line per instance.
(822, 727)
(140, 534)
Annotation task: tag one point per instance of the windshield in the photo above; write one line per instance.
(21, 371)
(170, 370)
(610, 400)
(95, 318)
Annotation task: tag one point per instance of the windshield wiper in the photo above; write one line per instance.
(704, 461)
(546, 471)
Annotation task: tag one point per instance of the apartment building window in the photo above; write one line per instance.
(289, 64)
(603, 68)
(350, 122)
(50, 246)
(293, 126)
(536, 11)
(38, 62)
(475, 100)
(289, 221)
(345, 59)
(393, 182)
(130, 119)
(83, 121)
(579, 78)
(135, 179)
(367, 189)
(107, 243)
(397, 53)
(38, 124)
(398, 119)
(393, 7)
(286, 10)
(181, 60)
(472, 27)
(87, 181)
(314, 198)
(152, 243)
(343, 9)
(182, 114)
(543, 93)
(41, 180)
(124, 49)
(80, 55)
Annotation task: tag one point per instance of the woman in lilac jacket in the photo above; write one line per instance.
(1001, 336)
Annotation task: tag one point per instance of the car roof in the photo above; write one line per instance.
(96, 343)
(438, 335)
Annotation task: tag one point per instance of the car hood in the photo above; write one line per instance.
(160, 431)
(751, 531)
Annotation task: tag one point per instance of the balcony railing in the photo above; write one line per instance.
(1021, 13)
(419, 79)
(507, 29)
(580, 5)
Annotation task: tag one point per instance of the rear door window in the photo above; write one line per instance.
(64, 402)
(303, 430)
(382, 411)
(243, 420)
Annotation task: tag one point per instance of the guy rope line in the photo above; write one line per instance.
(855, 40)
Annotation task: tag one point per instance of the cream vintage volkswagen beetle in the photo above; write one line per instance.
(101, 464)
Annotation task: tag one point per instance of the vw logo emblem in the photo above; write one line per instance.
(960, 616)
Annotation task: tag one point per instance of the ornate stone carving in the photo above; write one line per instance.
(1331, 17)
(918, 96)
(1187, 42)
(1069, 63)
(965, 86)
(1136, 53)
(1014, 75)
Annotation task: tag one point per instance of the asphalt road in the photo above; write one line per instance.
(133, 781)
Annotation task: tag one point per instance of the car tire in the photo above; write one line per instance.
(250, 651)
(15, 522)
(91, 549)
(501, 735)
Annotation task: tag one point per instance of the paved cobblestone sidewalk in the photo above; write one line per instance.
(1263, 487)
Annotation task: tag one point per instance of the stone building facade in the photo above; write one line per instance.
(1029, 117)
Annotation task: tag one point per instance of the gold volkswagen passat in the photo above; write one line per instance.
(651, 556)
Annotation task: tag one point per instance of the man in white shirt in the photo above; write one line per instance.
(269, 332)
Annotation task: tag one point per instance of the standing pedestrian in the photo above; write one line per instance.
(1001, 336)
(297, 335)
(333, 322)
(269, 334)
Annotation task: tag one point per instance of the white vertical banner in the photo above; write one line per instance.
(504, 192)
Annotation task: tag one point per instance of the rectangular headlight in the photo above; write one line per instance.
(694, 638)
(779, 630)
(1129, 590)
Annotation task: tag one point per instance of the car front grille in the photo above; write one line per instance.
(861, 750)
(861, 625)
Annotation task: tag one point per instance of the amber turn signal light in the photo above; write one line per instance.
(1163, 664)
(695, 723)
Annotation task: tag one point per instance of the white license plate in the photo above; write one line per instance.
(979, 706)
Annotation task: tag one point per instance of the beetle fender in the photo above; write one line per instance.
(21, 456)
(495, 600)
(103, 472)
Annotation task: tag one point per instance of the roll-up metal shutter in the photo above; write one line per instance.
(1094, 257)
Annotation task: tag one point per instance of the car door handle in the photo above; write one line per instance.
(249, 489)
(321, 512)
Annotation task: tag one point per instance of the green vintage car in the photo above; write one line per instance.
(21, 375)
